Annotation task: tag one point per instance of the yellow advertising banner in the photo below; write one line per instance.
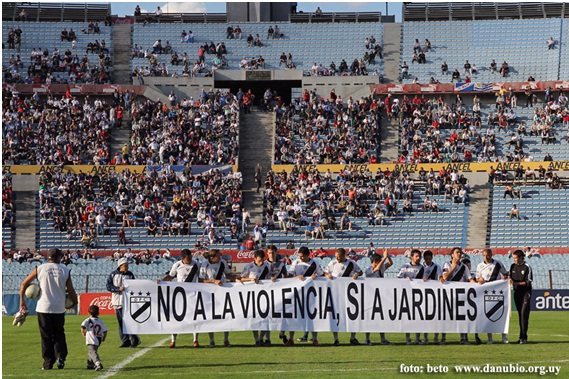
(416, 167)
(75, 169)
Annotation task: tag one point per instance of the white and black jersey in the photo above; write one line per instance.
(253, 271)
(460, 274)
(278, 269)
(494, 270)
(299, 267)
(432, 272)
(345, 269)
(188, 273)
(52, 279)
(215, 271)
(95, 329)
(411, 272)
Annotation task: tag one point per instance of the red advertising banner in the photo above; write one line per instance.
(123, 20)
(102, 300)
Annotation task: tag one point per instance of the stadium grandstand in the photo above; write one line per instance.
(142, 135)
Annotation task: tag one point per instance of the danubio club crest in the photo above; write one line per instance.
(140, 306)
(494, 305)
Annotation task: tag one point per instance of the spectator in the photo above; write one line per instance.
(404, 70)
(550, 43)
(514, 213)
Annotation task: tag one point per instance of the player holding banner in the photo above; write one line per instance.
(253, 272)
(455, 271)
(185, 270)
(278, 271)
(488, 271)
(413, 270)
(432, 272)
(342, 267)
(216, 271)
(377, 269)
(304, 267)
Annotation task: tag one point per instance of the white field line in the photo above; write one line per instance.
(116, 368)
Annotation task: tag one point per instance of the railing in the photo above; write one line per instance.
(57, 12)
(335, 17)
(559, 279)
(170, 18)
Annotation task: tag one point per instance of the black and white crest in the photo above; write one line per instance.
(140, 307)
(494, 307)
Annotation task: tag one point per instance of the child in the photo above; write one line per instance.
(95, 332)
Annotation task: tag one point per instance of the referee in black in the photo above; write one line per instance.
(521, 277)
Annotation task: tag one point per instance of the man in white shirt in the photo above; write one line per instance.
(246, 218)
(455, 271)
(379, 264)
(342, 267)
(410, 271)
(185, 270)
(432, 272)
(216, 271)
(302, 268)
(488, 271)
(253, 272)
(54, 279)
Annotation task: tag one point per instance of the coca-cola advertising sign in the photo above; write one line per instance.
(245, 255)
(102, 300)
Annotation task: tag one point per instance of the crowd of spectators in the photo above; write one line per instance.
(323, 202)
(8, 211)
(314, 130)
(47, 67)
(86, 206)
(196, 66)
(425, 125)
(58, 130)
(358, 67)
(186, 131)
(190, 67)
(469, 69)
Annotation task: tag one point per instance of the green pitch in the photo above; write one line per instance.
(549, 344)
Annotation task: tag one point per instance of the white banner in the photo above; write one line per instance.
(343, 304)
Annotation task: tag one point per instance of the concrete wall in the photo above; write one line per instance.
(182, 87)
(257, 11)
(345, 86)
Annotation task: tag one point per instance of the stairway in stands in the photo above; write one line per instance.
(120, 136)
(391, 54)
(256, 136)
(25, 204)
(122, 45)
(479, 206)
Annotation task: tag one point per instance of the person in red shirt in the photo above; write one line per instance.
(250, 244)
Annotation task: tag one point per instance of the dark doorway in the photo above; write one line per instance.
(258, 87)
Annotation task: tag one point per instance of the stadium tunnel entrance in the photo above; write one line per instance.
(283, 87)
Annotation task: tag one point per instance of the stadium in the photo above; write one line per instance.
(274, 125)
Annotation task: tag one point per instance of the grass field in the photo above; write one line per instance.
(21, 354)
